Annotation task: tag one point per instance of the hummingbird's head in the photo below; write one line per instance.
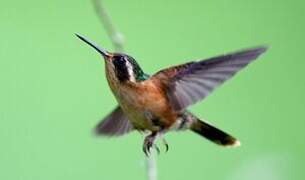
(122, 66)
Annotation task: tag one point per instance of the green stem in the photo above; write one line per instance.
(117, 40)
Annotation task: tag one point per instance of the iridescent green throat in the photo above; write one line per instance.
(137, 71)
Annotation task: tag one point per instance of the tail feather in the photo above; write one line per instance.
(213, 134)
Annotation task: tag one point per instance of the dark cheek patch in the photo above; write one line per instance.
(121, 71)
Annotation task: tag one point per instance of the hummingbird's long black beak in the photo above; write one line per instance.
(102, 51)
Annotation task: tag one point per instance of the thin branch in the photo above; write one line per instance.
(151, 166)
(115, 36)
(117, 40)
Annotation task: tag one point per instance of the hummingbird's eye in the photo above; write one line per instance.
(119, 60)
(120, 67)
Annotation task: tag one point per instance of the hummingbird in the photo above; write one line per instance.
(158, 103)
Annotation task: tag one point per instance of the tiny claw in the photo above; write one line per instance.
(145, 151)
(157, 149)
(148, 143)
(166, 148)
(166, 145)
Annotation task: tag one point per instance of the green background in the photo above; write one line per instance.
(53, 89)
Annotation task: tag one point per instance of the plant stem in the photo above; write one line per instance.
(115, 36)
(151, 166)
(117, 40)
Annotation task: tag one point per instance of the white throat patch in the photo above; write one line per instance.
(130, 70)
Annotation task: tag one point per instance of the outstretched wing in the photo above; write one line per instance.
(115, 124)
(188, 83)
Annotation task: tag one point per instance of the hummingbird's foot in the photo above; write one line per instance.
(149, 143)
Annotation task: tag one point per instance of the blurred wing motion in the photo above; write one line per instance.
(188, 83)
(115, 124)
